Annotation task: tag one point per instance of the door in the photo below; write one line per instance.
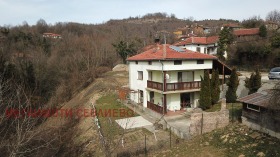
(141, 96)
(185, 100)
(152, 96)
(150, 76)
(180, 77)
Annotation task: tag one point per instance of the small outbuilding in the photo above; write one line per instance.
(258, 114)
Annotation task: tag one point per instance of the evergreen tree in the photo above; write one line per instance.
(205, 94)
(215, 86)
(225, 38)
(124, 49)
(232, 87)
(254, 82)
(262, 31)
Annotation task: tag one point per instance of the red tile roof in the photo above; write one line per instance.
(251, 31)
(156, 53)
(232, 25)
(198, 40)
(259, 99)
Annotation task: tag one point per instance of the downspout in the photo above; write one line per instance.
(162, 99)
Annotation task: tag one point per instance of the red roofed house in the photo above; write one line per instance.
(52, 35)
(167, 78)
(233, 26)
(258, 115)
(206, 45)
(246, 34)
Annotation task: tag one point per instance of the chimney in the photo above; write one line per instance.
(157, 42)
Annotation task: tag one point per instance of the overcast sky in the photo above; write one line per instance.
(15, 12)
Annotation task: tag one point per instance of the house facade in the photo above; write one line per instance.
(206, 45)
(258, 115)
(167, 78)
(249, 34)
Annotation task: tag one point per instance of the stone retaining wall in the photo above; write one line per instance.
(204, 122)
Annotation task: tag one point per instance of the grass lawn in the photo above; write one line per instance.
(105, 107)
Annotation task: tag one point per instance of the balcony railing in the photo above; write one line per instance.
(175, 86)
(154, 85)
(154, 107)
(182, 86)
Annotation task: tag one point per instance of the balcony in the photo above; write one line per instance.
(154, 107)
(174, 86)
(154, 85)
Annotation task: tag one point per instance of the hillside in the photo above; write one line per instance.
(72, 68)
(81, 137)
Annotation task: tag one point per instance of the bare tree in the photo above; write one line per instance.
(273, 16)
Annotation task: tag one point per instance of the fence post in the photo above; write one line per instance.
(231, 112)
(145, 146)
(170, 135)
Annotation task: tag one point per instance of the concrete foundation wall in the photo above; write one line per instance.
(255, 126)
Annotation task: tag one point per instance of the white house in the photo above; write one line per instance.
(206, 45)
(168, 78)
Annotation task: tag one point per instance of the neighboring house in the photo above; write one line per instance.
(183, 37)
(206, 45)
(52, 35)
(192, 30)
(257, 115)
(168, 78)
(233, 26)
(246, 34)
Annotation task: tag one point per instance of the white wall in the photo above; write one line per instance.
(197, 75)
(196, 99)
(202, 48)
(173, 101)
(187, 65)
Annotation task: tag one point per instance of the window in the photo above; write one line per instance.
(200, 61)
(136, 62)
(141, 96)
(150, 62)
(198, 49)
(253, 107)
(140, 75)
(178, 62)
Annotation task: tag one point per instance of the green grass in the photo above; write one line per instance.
(108, 103)
(214, 108)
(235, 111)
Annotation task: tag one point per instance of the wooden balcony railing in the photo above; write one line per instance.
(175, 86)
(183, 86)
(154, 85)
(154, 107)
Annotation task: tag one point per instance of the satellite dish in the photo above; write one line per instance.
(167, 76)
